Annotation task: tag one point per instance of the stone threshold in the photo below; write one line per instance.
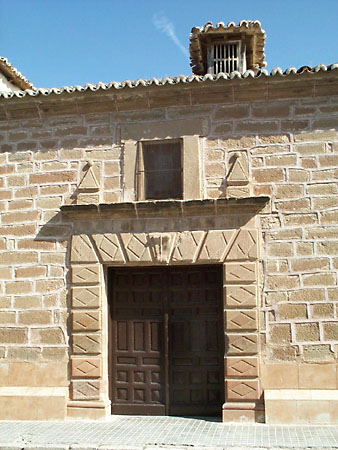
(167, 208)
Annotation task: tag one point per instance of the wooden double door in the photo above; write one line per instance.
(166, 352)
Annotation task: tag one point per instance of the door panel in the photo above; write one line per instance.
(167, 345)
(137, 344)
(196, 348)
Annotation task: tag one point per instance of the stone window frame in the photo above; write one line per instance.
(191, 168)
(189, 131)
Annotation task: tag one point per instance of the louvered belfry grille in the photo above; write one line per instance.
(225, 58)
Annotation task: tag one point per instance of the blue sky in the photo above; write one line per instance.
(74, 42)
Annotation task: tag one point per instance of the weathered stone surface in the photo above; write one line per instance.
(86, 297)
(307, 331)
(89, 343)
(237, 344)
(245, 245)
(85, 390)
(241, 320)
(242, 366)
(292, 311)
(86, 367)
(238, 390)
(318, 353)
(238, 174)
(86, 321)
(13, 335)
(215, 245)
(280, 333)
(136, 247)
(240, 273)
(86, 274)
(241, 296)
(162, 130)
(187, 245)
(50, 336)
(109, 248)
(82, 249)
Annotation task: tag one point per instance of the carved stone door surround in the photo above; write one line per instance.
(220, 231)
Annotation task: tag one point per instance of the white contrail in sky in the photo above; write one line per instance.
(162, 23)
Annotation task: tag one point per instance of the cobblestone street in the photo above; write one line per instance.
(126, 432)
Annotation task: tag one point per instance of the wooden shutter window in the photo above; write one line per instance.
(162, 170)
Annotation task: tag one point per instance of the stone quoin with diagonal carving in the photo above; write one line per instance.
(89, 343)
(237, 344)
(86, 320)
(86, 297)
(87, 274)
(237, 390)
(240, 272)
(241, 296)
(86, 367)
(85, 390)
(241, 320)
(242, 367)
(82, 249)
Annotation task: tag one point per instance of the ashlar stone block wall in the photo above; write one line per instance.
(288, 147)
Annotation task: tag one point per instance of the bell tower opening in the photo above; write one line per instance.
(227, 48)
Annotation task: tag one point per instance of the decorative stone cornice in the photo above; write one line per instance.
(166, 208)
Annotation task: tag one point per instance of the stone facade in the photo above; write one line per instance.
(69, 209)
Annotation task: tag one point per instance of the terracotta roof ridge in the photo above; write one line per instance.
(13, 75)
(169, 80)
(242, 24)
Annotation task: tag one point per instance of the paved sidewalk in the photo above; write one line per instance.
(149, 433)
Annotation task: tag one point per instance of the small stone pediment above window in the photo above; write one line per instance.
(88, 191)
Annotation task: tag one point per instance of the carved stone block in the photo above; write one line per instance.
(215, 245)
(237, 344)
(237, 390)
(82, 249)
(241, 366)
(86, 367)
(186, 246)
(241, 320)
(89, 181)
(160, 245)
(245, 245)
(85, 390)
(240, 273)
(109, 248)
(238, 174)
(241, 296)
(87, 343)
(86, 297)
(86, 321)
(136, 247)
(86, 274)
(88, 198)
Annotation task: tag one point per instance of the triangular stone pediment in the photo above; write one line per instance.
(89, 181)
(238, 174)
